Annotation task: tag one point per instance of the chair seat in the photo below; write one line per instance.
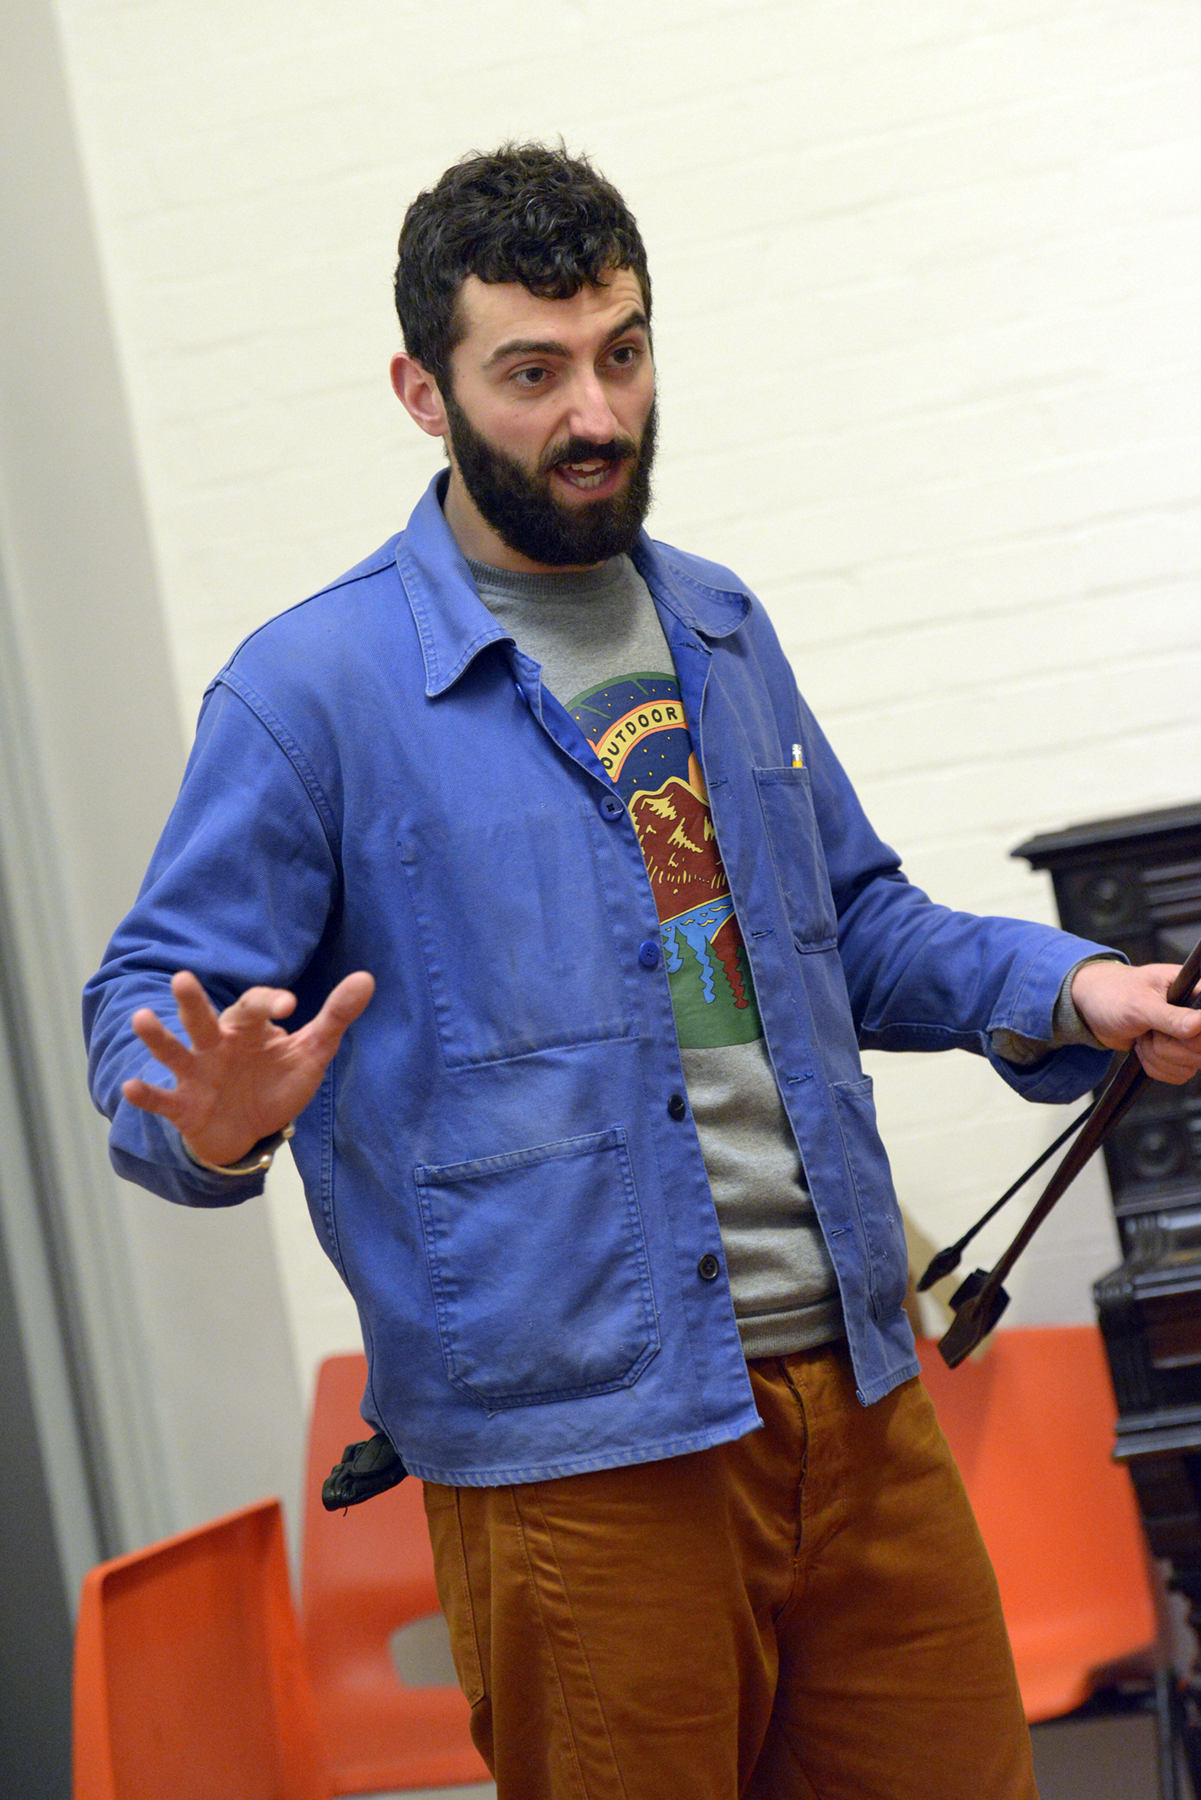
(1031, 1425)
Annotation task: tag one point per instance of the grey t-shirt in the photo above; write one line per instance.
(604, 656)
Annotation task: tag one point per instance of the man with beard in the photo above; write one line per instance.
(598, 1161)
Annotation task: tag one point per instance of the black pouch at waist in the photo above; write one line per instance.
(365, 1470)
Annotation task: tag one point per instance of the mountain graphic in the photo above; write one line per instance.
(687, 874)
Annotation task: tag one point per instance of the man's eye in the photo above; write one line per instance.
(529, 378)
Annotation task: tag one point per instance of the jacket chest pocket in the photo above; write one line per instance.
(513, 929)
(786, 802)
(539, 1268)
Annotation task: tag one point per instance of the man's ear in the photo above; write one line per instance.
(418, 393)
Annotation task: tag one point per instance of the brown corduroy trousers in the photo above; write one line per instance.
(808, 1612)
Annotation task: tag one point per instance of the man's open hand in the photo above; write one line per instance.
(1125, 1007)
(244, 1076)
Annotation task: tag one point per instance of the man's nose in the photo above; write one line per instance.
(590, 415)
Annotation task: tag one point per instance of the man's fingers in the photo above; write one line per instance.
(343, 1005)
(257, 1007)
(197, 1014)
(1121, 1004)
(163, 1101)
(162, 1044)
(244, 1076)
(1181, 1022)
(1168, 1059)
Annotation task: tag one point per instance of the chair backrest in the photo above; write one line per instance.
(189, 1675)
(1031, 1425)
(367, 1572)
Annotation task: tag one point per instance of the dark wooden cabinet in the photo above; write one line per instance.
(1135, 884)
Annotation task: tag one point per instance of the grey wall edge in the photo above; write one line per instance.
(174, 1343)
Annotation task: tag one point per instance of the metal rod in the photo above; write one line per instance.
(982, 1299)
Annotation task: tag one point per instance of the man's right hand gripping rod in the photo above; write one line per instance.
(979, 1302)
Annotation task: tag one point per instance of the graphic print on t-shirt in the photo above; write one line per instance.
(637, 727)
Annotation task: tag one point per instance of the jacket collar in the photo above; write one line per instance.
(684, 585)
(454, 625)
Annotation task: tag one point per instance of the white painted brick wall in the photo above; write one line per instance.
(927, 282)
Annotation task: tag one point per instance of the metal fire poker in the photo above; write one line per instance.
(979, 1302)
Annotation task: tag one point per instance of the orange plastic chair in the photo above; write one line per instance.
(189, 1676)
(367, 1572)
(1031, 1425)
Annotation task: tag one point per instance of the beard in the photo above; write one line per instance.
(526, 514)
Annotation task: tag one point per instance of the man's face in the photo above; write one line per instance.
(551, 423)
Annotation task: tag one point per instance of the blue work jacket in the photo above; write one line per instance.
(500, 1161)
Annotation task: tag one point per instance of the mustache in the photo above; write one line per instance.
(618, 449)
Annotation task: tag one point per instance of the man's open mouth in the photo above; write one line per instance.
(587, 476)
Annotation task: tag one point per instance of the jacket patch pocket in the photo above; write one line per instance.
(786, 801)
(540, 1273)
(875, 1201)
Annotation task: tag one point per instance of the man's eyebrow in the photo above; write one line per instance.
(634, 320)
(526, 347)
(554, 347)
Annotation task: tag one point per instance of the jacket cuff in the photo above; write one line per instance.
(1067, 1027)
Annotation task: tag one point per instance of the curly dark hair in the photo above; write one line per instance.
(526, 213)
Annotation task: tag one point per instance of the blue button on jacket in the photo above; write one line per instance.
(380, 781)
